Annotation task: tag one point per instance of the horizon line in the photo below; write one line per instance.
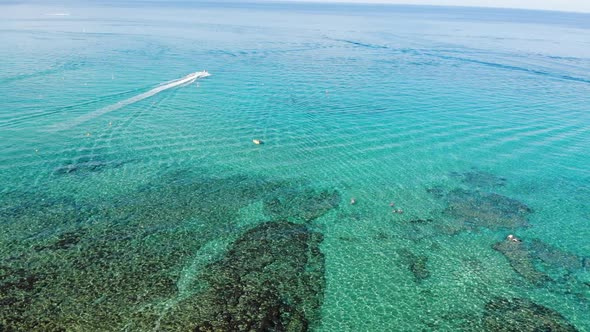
(402, 3)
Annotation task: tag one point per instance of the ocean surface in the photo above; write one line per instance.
(400, 147)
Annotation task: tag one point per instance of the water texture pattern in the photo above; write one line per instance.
(400, 146)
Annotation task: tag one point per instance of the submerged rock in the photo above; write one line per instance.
(98, 285)
(30, 218)
(15, 280)
(419, 231)
(271, 279)
(215, 200)
(522, 315)
(64, 241)
(114, 264)
(555, 257)
(521, 261)
(85, 165)
(436, 191)
(421, 221)
(480, 179)
(300, 206)
(417, 264)
(487, 210)
(21, 207)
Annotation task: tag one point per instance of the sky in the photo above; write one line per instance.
(560, 5)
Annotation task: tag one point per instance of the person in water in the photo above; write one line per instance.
(513, 238)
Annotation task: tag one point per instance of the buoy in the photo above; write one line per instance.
(257, 141)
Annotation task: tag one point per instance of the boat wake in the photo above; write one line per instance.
(188, 79)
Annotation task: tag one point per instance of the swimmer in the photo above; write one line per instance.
(513, 238)
(392, 204)
(352, 201)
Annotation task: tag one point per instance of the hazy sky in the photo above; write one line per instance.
(563, 5)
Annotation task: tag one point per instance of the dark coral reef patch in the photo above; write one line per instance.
(489, 210)
(84, 280)
(539, 262)
(83, 166)
(113, 264)
(554, 257)
(300, 205)
(417, 264)
(216, 200)
(522, 261)
(271, 279)
(474, 205)
(480, 179)
(87, 162)
(522, 315)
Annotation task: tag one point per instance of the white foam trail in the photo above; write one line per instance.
(188, 79)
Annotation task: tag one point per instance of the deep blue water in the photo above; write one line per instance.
(133, 202)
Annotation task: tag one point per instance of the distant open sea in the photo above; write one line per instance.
(400, 147)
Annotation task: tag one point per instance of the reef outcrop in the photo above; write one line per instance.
(271, 279)
(522, 315)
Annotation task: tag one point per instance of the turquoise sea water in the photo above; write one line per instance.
(160, 214)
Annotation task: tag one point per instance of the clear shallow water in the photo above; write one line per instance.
(474, 122)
